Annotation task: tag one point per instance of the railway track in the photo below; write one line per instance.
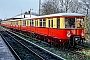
(22, 52)
(42, 54)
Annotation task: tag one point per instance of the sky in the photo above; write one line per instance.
(11, 8)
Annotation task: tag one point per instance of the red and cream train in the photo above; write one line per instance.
(58, 29)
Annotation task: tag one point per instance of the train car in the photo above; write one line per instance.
(59, 29)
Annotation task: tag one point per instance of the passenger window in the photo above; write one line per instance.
(32, 22)
(44, 23)
(24, 22)
(37, 23)
(41, 23)
(58, 22)
(52, 23)
(48, 23)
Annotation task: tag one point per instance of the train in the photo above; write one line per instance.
(60, 29)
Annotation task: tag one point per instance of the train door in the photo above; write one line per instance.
(58, 22)
(50, 23)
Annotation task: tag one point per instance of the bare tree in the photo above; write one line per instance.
(50, 7)
(75, 6)
(64, 6)
(86, 7)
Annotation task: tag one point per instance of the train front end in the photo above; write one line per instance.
(75, 30)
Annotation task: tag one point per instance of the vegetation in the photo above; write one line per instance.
(88, 30)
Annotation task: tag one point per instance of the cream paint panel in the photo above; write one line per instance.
(38, 22)
(15, 22)
(27, 23)
(8, 22)
(54, 22)
(42, 23)
(46, 22)
(62, 22)
(20, 22)
(12, 23)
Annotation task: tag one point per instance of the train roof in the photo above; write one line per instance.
(64, 14)
(58, 14)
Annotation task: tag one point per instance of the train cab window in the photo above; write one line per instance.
(58, 22)
(24, 23)
(69, 22)
(44, 23)
(41, 23)
(80, 23)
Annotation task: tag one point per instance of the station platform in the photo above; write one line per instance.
(5, 53)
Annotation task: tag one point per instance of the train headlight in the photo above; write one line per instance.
(68, 34)
(82, 34)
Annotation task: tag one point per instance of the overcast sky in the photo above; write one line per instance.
(10, 8)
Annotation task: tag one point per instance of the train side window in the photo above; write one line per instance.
(58, 22)
(24, 22)
(37, 23)
(30, 22)
(44, 23)
(52, 23)
(40, 23)
(48, 23)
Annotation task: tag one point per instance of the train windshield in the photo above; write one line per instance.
(69, 22)
(74, 23)
(80, 22)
